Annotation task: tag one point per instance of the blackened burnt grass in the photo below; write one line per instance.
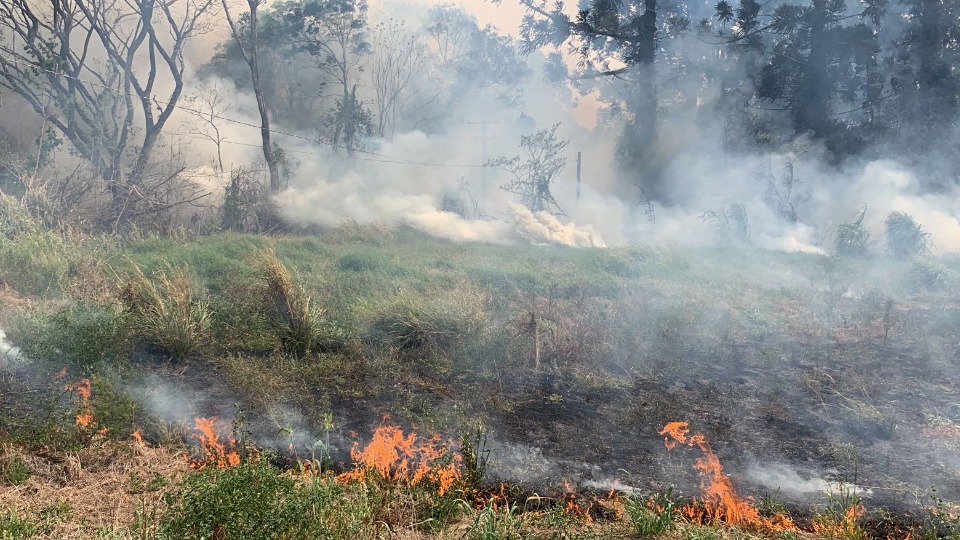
(840, 370)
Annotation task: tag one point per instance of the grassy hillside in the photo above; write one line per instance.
(551, 370)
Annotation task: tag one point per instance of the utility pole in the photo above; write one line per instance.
(483, 151)
(579, 162)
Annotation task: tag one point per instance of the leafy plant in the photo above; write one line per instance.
(852, 239)
(85, 335)
(535, 172)
(730, 224)
(13, 469)
(653, 515)
(906, 239)
(252, 500)
(840, 517)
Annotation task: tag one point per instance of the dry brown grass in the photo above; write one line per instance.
(106, 485)
(10, 302)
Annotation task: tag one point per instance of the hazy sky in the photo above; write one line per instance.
(505, 16)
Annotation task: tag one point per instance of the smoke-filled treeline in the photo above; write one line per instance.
(771, 123)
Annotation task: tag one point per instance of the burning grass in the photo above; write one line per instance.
(406, 459)
(719, 502)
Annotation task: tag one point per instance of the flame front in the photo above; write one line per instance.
(84, 390)
(212, 451)
(405, 459)
(720, 501)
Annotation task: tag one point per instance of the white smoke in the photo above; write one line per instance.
(784, 479)
(9, 353)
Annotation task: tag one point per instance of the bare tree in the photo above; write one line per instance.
(247, 37)
(397, 62)
(89, 67)
(208, 104)
(535, 170)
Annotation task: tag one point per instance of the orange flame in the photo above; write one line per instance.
(212, 451)
(137, 438)
(405, 459)
(84, 390)
(720, 501)
(844, 526)
(573, 506)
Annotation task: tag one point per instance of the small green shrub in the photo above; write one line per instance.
(256, 501)
(906, 239)
(652, 516)
(15, 219)
(84, 335)
(246, 501)
(167, 311)
(428, 323)
(852, 239)
(928, 276)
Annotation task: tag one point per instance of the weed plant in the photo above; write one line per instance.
(15, 527)
(80, 335)
(852, 239)
(906, 239)
(652, 516)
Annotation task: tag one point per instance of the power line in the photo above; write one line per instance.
(384, 158)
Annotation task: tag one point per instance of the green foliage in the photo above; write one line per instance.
(492, 523)
(731, 224)
(852, 239)
(14, 527)
(251, 500)
(652, 516)
(167, 311)
(536, 169)
(929, 276)
(839, 519)
(906, 239)
(15, 219)
(256, 501)
(939, 521)
(79, 334)
(13, 469)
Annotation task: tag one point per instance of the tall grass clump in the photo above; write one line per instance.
(431, 322)
(167, 311)
(290, 311)
(852, 239)
(653, 516)
(15, 219)
(906, 239)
